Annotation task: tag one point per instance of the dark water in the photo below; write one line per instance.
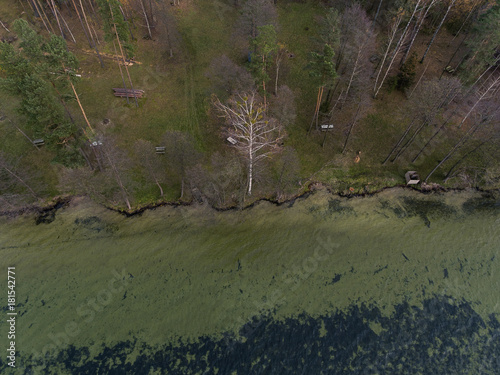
(399, 283)
(443, 337)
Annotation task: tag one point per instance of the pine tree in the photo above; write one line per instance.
(112, 17)
(32, 72)
(264, 46)
(323, 72)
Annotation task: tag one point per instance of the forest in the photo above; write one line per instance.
(141, 102)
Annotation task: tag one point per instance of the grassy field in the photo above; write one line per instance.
(178, 98)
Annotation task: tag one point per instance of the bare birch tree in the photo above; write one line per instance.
(488, 92)
(418, 25)
(166, 28)
(397, 48)
(423, 107)
(146, 18)
(282, 107)
(484, 119)
(5, 27)
(181, 154)
(254, 14)
(256, 135)
(483, 93)
(452, 2)
(392, 35)
(222, 182)
(286, 173)
(226, 77)
(359, 38)
(11, 177)
(115, 169)
(152, 164)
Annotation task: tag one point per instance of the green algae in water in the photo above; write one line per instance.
(444, 336)
(192, 281)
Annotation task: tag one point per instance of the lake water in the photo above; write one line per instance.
(396, 283)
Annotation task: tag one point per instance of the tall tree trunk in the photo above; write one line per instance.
(376, 14)
(474, 7)
(353, 74)
(23, 133)
(95, 34)
(63, 103)
(12, 173)
(418, 82)
(447, 176)
(119, 181)
(391, 39)
(331, 112)
(400, 140)
(169, 42)
(54, 12)
(86, 158)
(316, 111)
(128, 25)
(460, 143)
(319, 106)
(440, 128)
(454, 54)
(81, 23)
(90, 31)
(45, 14)
(66, 26)
(409, 142)
(263, 81)
(159, 186)
(250, 170)
(482, 75)
(123, 57)
(429, 141)
(146, 18)
(437, 30)
(35, 11)
(351, 127)
(398, 47)
(278, 63)
(91, 6)
(41, 14)
(495, 82)
(80, 104)
(121, 71)
(418, 25)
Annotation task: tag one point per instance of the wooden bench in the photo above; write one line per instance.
(124, 93)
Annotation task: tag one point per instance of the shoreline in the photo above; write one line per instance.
(44, 211)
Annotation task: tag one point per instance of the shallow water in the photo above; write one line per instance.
(395, 283)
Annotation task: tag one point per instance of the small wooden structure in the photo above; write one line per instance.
(232, 140)
(38, 142)
(326, 127)
(160, 150)
(449, 69)
(124, 93)
(412, 178)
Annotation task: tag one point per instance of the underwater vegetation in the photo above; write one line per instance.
(443, 336)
